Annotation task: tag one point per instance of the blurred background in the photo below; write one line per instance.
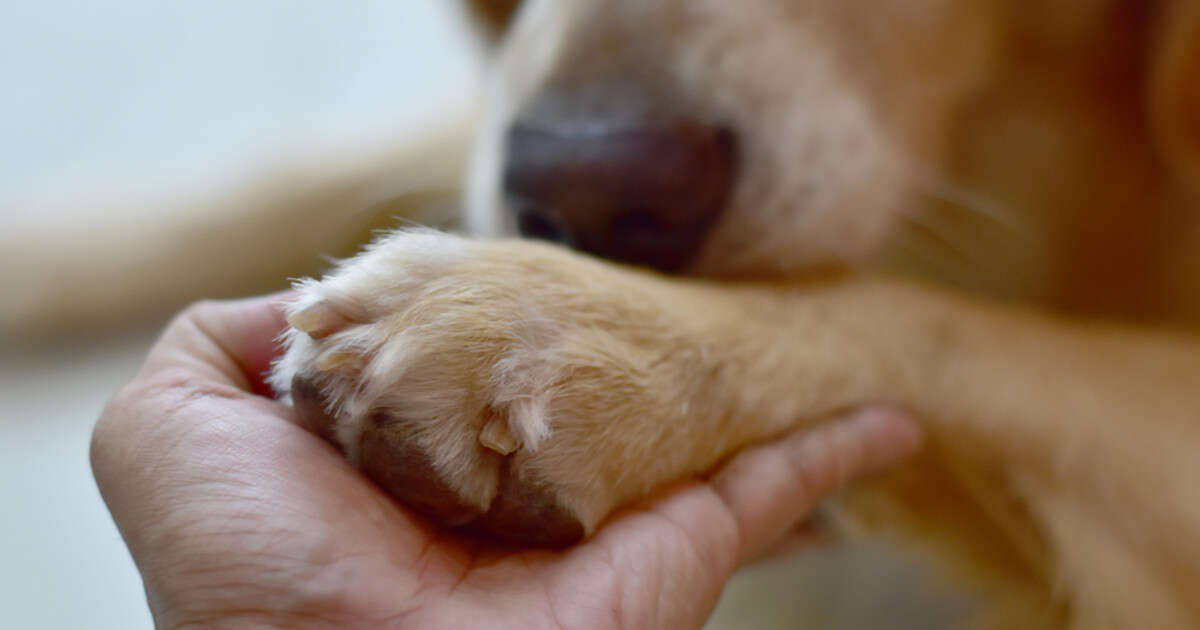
(114, 112)
(117, 115)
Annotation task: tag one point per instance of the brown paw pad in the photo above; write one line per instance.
(523, 514)
(406, 473)
(310, 405)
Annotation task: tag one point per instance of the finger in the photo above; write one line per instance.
(210, 353)
(814, 532)
(769, 489)
(675, 553)
(229, 342)
(668, 560)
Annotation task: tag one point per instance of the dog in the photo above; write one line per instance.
(981, 211)
(783, 168)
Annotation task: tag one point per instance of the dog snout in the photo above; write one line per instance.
(645, 193)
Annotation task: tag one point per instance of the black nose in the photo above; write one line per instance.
(646, 194)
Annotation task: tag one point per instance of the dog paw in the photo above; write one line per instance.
(509, 389)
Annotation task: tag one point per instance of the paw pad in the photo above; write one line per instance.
(522, 513)
(425, 362)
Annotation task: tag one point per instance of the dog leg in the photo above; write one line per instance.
(524, 392)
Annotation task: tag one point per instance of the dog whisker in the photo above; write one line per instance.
(931, 184)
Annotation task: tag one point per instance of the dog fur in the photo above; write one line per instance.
(1038, 153)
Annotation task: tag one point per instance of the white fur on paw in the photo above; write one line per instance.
(394, 329)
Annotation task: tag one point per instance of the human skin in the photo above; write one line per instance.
(237, 517)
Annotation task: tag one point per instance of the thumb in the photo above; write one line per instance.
(228, 342)
(674, 554)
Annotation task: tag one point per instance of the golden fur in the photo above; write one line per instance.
(1045, 153)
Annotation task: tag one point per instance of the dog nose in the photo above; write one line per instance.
(645, 194)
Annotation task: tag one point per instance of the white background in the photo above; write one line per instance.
(110, 100)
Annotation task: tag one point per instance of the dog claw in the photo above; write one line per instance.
(496, 436)
(319, 320)
(343, 363)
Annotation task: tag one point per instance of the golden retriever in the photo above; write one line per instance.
(1043, 158)
(798, 176)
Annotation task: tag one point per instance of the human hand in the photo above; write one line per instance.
(237, 517)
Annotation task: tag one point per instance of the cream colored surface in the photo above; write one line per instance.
(65, 566)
